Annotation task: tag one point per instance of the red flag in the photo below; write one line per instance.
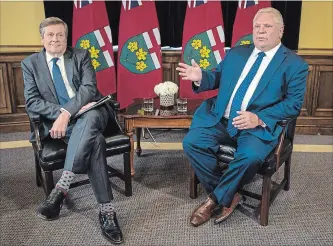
(139, 53)
(242, 31)
(203, 41)
(91, 31)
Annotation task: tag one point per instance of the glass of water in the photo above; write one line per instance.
(148, 105)
(182, 105)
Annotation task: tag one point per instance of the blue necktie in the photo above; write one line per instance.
(240, 94)
(59, 83)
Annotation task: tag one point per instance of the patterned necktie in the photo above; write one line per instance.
(240, 94)
(59, 83)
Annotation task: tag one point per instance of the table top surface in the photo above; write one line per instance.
(136, 110)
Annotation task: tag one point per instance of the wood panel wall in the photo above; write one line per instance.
(316, 115)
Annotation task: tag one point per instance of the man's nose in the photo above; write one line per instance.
(55, 38)
(262, 29)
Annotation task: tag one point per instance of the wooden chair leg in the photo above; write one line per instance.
(266, 189)
(49, 184)
(287, 173)
(193, 185)
(127, 174)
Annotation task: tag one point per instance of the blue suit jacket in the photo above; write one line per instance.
(279, 94)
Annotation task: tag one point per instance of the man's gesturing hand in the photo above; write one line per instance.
(59, 127)
(245, 120)
(187, 72)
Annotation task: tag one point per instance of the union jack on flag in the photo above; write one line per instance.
(195, 3)
(247, 3)
(130, 4)
(81, 3)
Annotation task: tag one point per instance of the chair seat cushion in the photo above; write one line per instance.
(226, 154)
(54, 151)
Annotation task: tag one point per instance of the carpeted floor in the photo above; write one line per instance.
(158, 212)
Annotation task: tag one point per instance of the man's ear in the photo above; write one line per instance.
(281, 31)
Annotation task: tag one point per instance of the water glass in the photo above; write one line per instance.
(182, 105)
(148, 105)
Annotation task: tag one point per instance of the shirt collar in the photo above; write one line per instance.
(269, 53)
(49, 57)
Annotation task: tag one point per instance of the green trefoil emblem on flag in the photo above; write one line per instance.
(89, 42)
(247, 39)
(199, 48)
(135, 56)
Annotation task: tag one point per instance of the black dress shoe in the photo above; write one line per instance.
(50, 208)
(110, 227)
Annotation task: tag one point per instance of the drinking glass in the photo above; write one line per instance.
(148, 105)
(182, 105)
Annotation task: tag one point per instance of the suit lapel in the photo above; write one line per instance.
(69, 66)
(278, 58)
(45, 71)
(239, 64)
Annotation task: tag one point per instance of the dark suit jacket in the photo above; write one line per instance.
(39, 91)
(279, 94)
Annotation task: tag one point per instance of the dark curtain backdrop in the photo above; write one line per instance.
(171, 16)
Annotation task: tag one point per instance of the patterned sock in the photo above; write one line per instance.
(106, 207)
(65, 180)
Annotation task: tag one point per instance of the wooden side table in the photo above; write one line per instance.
(165, 118)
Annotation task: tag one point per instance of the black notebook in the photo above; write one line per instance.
(97, 104)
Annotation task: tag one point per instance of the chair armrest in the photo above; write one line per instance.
(284, 123)
(115, 105)
(278, 149)
(35, 122)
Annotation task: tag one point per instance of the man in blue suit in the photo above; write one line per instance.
(259, 85)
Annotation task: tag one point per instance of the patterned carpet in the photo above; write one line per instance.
(159, 210)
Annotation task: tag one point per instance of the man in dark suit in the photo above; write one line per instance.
(259, 85)
(59, 82)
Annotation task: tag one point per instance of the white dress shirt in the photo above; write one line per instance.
(61, 64)
(264, 64)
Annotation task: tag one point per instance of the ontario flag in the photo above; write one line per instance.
(91, 31)
(203, 41)
(139, 53)
(242, 31)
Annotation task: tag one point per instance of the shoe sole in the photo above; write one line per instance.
(220, 221)
(45, 218)
(110, 240)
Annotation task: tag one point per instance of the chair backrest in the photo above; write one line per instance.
(290, 132)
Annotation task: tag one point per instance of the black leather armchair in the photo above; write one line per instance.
(50, 155)
(281, 154)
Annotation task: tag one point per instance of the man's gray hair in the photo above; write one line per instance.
(51, 21)
(277, 15)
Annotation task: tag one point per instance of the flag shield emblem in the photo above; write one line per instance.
(199, 48)
(247, 39)
(135, 56)
(90, 43)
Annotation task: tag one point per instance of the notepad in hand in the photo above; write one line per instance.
(97, 104)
